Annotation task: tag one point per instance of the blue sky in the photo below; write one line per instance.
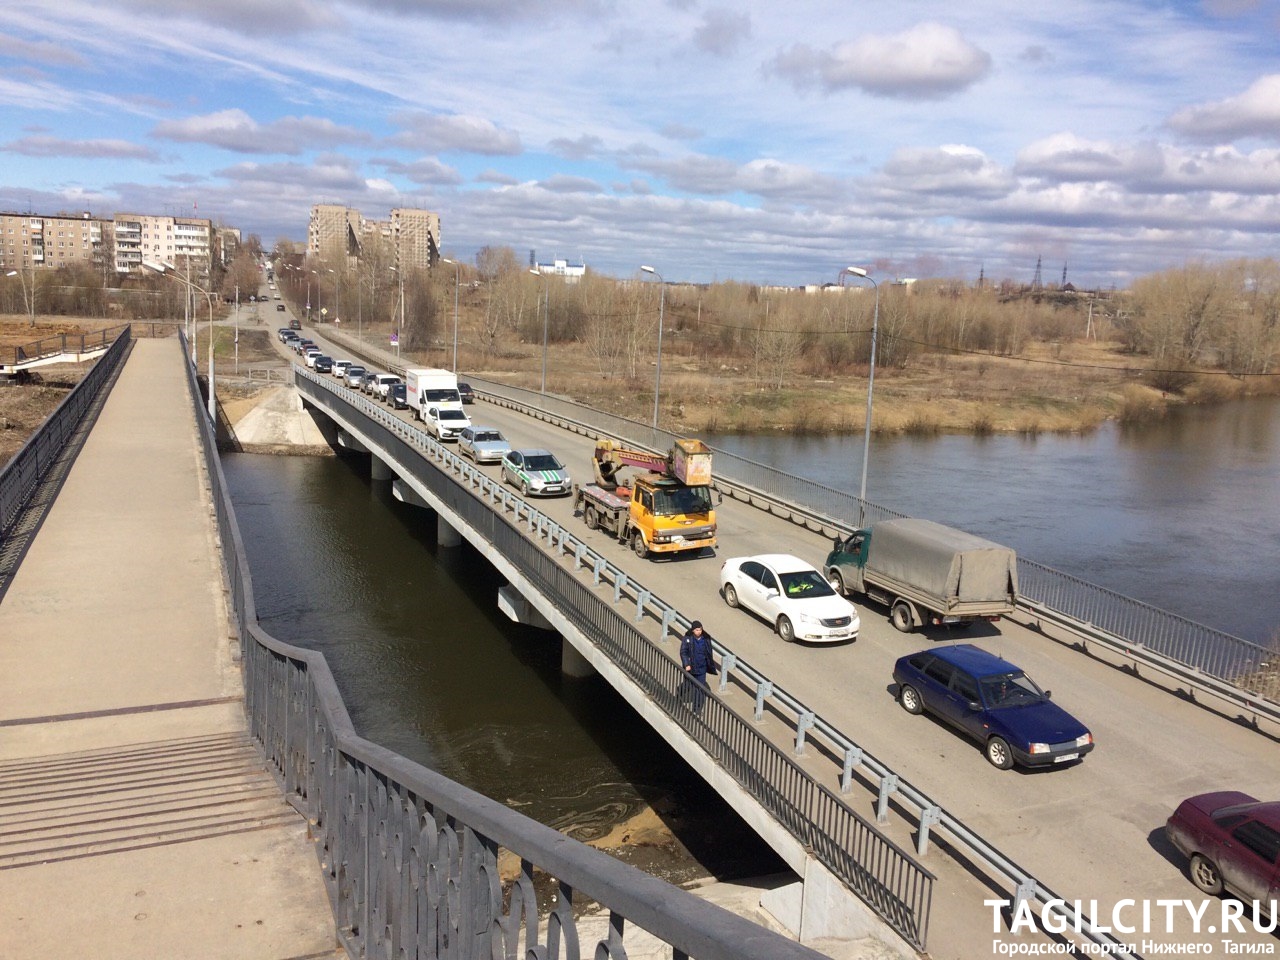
(755, 141)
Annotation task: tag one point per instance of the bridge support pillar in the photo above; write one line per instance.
(572, 663)
(446, 534)
(821, 907)
(380, 470)
(512, 602)
(406, 494)
(347, 442)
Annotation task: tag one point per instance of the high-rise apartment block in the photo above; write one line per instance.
(336, 231)
(176, 240)
(34, 242)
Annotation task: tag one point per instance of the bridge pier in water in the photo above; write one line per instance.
(379, 469)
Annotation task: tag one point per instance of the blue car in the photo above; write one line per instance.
(993, 702)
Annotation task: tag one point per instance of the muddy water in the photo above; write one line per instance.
(430, 668)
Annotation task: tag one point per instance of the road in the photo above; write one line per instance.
(1091, 831)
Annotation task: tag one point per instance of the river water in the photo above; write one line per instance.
(1183, 513)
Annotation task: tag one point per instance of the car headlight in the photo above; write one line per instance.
(809, 619)
(1039, 748)
(1085, 740)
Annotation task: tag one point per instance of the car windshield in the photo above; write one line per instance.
(441, 396)
(667, 503)
(451, 415)
(805, 584)
(355, 371)
(488, 436)
(543, 461)
(1010, 690)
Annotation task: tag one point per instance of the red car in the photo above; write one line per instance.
(1233, 842)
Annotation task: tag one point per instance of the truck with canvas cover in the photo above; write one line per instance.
(664, 508)
(925, 572)
(427, 387)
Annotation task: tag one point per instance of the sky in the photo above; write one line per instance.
(762, 142)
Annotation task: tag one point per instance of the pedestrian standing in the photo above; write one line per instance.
(698, 660)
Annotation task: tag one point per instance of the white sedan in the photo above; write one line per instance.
(791, 595)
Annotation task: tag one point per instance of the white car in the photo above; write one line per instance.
(310, 355)
(791, 595)
(340, 368)
(445, 425)
(382, 386)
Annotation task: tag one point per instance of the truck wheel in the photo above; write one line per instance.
(730, 595)
(909, 697)
(999, 754)
(786, 630)
(592, 520)
(900, 616)
(837, 583)
(1206, 875)
(638, 545)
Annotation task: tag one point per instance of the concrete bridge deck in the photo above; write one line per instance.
(136, 817)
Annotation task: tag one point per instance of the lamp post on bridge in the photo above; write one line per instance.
(28, 298)
(163, 270)
(871, 380)
(457, 267)
(546, 322)
(662, 303)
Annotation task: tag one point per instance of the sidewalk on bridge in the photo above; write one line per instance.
(146, 824)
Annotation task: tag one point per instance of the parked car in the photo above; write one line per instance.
(397, 396)
(444, 424)
(1232, 842)
(793, 596)
(536, 472)
(340, 368)
(464, 390)
(483, 444)
(323, 364)
(993, 702)
(354, 376)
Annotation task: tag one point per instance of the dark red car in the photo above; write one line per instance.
(1232, 841)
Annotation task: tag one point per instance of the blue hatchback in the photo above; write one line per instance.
(992, 701)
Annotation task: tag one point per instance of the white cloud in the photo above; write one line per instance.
(235, 130)
(439, 133)
(1253, 113)
(948, 169)
(927, 62)
(722, 31)
(46, 146)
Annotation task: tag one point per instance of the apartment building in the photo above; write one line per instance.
(35, 242)
(336, 231)
(144, 237)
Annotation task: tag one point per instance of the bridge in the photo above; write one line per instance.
(60, 348)
(1173, 704)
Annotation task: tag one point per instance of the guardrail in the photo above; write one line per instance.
(1235, 670)
(879, 872)
(855, 762)
(29, 465)
(61, 343)
(410, 858)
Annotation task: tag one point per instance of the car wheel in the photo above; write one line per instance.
(638, 545)
(592, 520)
(900, 616)
(786, 630)
(1206, 875)
(909, 697)
(524, 488)
(730, 595)
(837, 583)
(999, 754)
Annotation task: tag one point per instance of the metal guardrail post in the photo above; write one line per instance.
(763, 692)
(888, 787)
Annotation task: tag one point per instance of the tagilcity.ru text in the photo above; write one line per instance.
(1135, 916)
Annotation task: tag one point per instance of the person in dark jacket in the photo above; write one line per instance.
(698, 660)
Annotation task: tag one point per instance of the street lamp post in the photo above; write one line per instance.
(456, 268)
(546, 322)
(163, 269)
(28, 299)
(871, 380)
(400, 329)
(662, 302)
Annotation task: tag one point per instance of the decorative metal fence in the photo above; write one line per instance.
(64, 343)
(412, 859)
(29, 465)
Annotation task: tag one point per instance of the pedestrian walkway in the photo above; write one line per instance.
(137, 820)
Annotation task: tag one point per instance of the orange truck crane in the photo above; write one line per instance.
(666, 508)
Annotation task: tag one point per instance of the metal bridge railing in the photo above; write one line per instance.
(1237, 670)
(62, 343)
(883, 875)
(410, 858)
(23, 473)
